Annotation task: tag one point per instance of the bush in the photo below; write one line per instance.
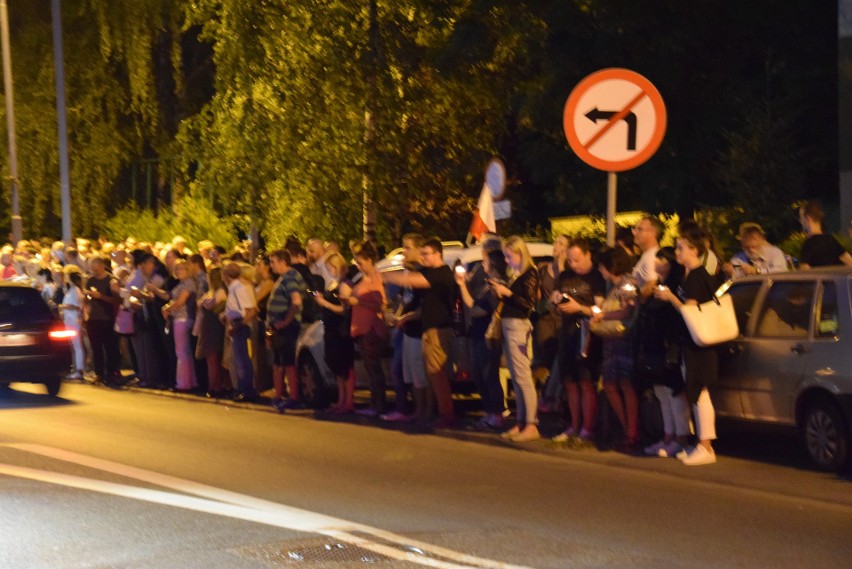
(192, 218)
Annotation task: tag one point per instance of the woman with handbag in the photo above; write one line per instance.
(368, 328)
(612, 323)
(519, 299)
(486, 374)
(701, 365)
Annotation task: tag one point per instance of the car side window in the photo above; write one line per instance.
(786, 312)
(743, 295)
(827, 311)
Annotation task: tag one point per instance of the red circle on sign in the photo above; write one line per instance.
(582, 148)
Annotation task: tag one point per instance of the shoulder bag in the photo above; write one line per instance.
(712, 322)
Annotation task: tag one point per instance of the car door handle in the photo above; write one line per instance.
(799, 349)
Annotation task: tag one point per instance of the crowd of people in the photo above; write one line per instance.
(591, 320)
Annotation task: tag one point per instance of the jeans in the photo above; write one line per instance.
(241, 361)
(185, 372)
(399, 385)
(486, 374)
(372, 347)
(106, 358)
(516, 337)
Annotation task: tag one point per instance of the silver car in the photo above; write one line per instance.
(792, 363)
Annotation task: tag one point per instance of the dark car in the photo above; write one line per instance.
(792, 363)
(35, 346)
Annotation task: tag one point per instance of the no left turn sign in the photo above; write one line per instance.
(615, 120)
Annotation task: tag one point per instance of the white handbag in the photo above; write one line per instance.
(712, 322)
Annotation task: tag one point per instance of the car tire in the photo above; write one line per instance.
(312, 389)
(53, 386)
(825, 435)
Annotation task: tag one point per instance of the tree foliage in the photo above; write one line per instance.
(285, 113)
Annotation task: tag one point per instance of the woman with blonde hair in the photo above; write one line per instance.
(181, 311)
(518, 298)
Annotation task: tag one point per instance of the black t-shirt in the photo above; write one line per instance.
(821, 250)
(582, 288)
(101, 309)
(438, 300)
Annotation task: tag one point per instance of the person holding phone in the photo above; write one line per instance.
(578, 289)
(519, 298)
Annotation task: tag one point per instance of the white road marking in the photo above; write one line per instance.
(239, 506)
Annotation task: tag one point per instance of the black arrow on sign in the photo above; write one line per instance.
(630, 118)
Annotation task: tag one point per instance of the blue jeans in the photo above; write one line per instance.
(241, 361)
(399, 385)
(486, 374)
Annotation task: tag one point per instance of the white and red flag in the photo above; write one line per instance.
(483, 218)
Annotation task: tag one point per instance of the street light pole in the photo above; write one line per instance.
(64, 183)
(17, 224)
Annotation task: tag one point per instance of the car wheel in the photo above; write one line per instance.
(53, 386)
(312, 389)
(826, 436)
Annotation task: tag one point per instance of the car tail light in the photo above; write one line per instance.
(62, 334)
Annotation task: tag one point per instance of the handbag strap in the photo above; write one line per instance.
(499, 310)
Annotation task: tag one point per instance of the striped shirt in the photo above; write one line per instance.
(280, 297)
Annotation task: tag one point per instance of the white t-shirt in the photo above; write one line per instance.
(645, 270)
(240, 298)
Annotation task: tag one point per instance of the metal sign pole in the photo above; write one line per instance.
(62, 128)
(17, 224)
(611, 195)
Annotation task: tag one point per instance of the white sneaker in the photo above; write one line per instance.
(699, 456)
(564, 436)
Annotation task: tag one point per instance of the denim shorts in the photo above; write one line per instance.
(617, 360)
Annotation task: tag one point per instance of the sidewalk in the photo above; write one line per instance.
(782, 477)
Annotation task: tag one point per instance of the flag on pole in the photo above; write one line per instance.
(483, 217)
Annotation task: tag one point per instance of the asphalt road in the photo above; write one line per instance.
(121, 479)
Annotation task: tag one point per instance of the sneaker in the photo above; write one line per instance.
(290, 405)
(654, 449)
(396, 417)
(564, 436)
(278, 404)
(367, 412)
(587, 436)
(699, 456)
(490, 423)
(669, 450)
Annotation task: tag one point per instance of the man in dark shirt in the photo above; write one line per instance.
(819, 249)
(578, 289)
(102, 291)
(439, 294)
(311, 311)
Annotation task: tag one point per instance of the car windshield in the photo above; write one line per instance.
(19, 304)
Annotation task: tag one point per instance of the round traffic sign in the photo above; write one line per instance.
(614, 120)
